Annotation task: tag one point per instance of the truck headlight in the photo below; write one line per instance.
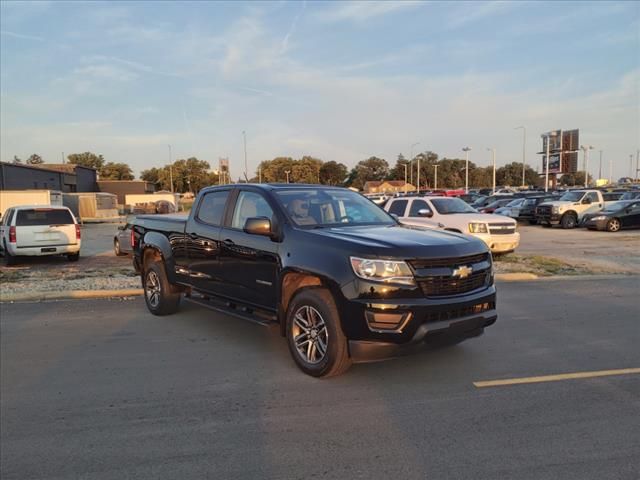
(478, 228)
(385, 271)
(556, 210)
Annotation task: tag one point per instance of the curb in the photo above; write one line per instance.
(515, 277)
(72, 294)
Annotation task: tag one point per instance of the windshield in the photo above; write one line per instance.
(572, 196)
(630, 195)
(515, 203)
(617, 206)
(446, 206)
(320, 207)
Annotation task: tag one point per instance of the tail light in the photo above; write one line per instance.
(78, 232)
(12, 234)
(133, 239)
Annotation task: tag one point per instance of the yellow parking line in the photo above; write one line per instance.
(555, 378)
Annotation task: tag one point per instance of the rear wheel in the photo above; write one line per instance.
(160, 296)
(613, 225)
(314, 334)
(8, 258)
(569, 220)
(73, 257)
(116, 248)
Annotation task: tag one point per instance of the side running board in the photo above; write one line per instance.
(255, 315)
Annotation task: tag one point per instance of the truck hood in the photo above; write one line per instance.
(559, 203)
(402, 241)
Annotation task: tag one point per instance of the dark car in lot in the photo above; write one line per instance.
(614, 217)
(528, 208)
(493, 206)
(122, 241)
(340, 277)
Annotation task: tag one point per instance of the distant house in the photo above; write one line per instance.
(67, 178)
(122, 188)
(388, 186)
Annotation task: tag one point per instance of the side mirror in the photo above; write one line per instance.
(395, 216)
(423, 212)
(258, 226)
(586, 201)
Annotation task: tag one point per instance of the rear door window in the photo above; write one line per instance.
(418, 205)
(212, 206)
(398, 207)
(30, 218)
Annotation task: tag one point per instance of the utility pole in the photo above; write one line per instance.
(287, 172)
(63, 158)
(610, 170)
(246, 170)
(435, 176)
(466, 150)
(637, 164)
(259, 174)
(170, 169)
(524, 143)
(631, 166)
(600, 169)
(548, 136)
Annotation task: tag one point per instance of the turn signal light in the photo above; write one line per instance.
(12, 234)
(78, 232)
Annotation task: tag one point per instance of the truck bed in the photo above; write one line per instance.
(169, 222)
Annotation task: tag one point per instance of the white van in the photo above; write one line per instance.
(35, 230)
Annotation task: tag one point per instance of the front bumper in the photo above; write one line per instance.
(595, 224)
(551, 219)
(500, 243)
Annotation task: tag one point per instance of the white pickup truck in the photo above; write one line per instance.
(452, 214)
(569, 209)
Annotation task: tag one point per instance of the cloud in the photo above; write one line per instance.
(292, 28)
(471, 12)
(105, 71)
(360, 11)
(21, 36)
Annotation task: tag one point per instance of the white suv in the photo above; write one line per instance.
(39, 230)
(497, 231)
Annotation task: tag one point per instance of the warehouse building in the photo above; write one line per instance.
(65, 178)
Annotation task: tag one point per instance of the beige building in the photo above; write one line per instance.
(388, 186)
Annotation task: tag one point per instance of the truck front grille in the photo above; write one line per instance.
(502, 228)
(442, 286)
(442, 277)
(544, 211)
(460, 312)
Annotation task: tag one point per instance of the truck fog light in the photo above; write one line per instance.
(386, 322)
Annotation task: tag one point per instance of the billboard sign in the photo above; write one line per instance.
(554, 164)
(555, 141)
(570, 141)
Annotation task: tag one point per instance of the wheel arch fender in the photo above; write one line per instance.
(156, 245)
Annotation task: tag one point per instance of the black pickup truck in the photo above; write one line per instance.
(343, 280)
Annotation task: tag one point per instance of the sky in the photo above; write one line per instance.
(336, 80)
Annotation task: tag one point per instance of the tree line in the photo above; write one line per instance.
(192, 174)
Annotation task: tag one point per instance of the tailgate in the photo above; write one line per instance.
(42, 227)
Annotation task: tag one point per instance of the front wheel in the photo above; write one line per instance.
(613, 225)
(569, 221)
(159, 295)
(314, 334)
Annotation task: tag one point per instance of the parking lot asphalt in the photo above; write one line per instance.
(102, 389)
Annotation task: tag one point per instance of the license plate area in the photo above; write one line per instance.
(47, 249)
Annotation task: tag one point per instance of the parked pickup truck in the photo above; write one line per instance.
(452, 214)
(343, 280)
(569, 209)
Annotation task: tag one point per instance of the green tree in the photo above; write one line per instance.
(333, 173)
(371, 169)
(397, 172)
(511, 174)
(116, 171)
(34, 159)
(573, 179)
(87, 159)
(306, 170)
(273, 171)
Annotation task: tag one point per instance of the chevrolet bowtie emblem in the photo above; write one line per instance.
(462, 272)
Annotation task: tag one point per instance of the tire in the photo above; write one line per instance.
(8, 258)
(160, 296)
(73, 257)
(313, 320)
(533, 222)
(614, 225)
(569, 221)
(116, 248)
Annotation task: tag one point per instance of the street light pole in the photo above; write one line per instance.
(493, 159)
(548, 135)
(246, 170)
(411, 161)
(585, 151)
(435, 176)
(287, 172)
(170, 169)
(524, 143)
(405, 178)
(600, 169)
(631, 166)
(466, 169)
